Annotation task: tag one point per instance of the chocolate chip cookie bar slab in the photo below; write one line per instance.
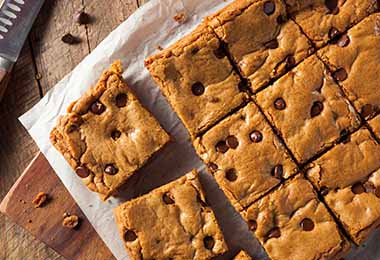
(197, 79)
(107, 134)
(242, 255)
(262, 43)
(291, 223)
(308, 108)
(326, 20)
(375, 125)
(171, 222)
(354, 60)
(348, 177)
(245, 156)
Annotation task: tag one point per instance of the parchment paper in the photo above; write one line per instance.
(150, 26)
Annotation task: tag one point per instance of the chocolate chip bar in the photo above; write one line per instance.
(291, 223)
(242, 255)
(171, 222)
(262, 43)
(348, 177)
(325, 20)
(245, 156)
(107, 134)
(354, 61)
(198, 80)
(309, 109)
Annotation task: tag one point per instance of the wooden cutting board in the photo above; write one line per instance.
(45, 223)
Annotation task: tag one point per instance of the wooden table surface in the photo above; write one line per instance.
(44, 60)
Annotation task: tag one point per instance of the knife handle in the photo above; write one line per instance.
(4, 77)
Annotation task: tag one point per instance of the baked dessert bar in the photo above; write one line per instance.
(171, 222)
(326, 20)
(245, 156)
(348, 177)
(309, 109)
(291, 223)
(375, 125)
(198, 80)
(354, 60)
(242, 255)
(262, 43)
(107, 134)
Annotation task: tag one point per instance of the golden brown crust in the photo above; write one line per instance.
(108, 142)
(171, 222)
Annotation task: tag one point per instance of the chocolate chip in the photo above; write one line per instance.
(97, 108)
(316, 109)
(252, 224)
(82, 18)
(273, 44)
(231, 175)
(71, 128)
(358, 188)
(331, 4)
(220, 52)
(340, 74)
(213, 167)
(197, 88)
(110, 169)
(290, 62)
(221, 147)
(70, 39)
(278, 171)
(367, 111)
(82, 171)
(129, 236)
(243, 85)
(269, 7)
(343, 41)
(324, 191)
(195, 50)
(333, 33)
(280, 104)
(377, 192)
(232, 142)
(121, 100)
(167, 198)
(209, 242)
(115, 135)
(256, 136)
(281, 19)
(307, 224)
(274, 233)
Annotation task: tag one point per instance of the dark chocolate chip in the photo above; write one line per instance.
(115, 134)
(197, 88)
(121, 100)
(70, 39)
(256, 136)
(129, 236)
(269, 7)
(290, 62)
(280, 104)
(221, 147)
(195, 50)
(97, 108)
(252, 225)
(243, 85)
(331, 4)
(273, 44)
(324, 190)
(358, 188)
(110, 169)
(340, 74)
(367, 111)
(232, 142)
(343, 41)
(377, 192)
(316, 109)
(307, 224)
(72, 128)
(278, 171)
(231, 175)
(167, 198)
(274, 233)
(209, 242)
(333, 33)
(281, 19)
(213, 167)
(82, 171)
(220, 52)
(82, 18)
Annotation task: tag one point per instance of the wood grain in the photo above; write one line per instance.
(46, 222)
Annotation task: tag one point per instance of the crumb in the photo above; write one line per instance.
(38, 76)
(40, 199)
(180, 17)
(70, 221)
(159, 48)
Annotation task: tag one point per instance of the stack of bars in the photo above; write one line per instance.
(281, 99)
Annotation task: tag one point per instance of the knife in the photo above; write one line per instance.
(16, 20)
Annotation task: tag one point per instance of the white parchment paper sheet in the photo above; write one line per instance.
(150, 26)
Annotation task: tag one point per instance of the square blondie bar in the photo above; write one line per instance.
(107, 134)
(171, 222)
